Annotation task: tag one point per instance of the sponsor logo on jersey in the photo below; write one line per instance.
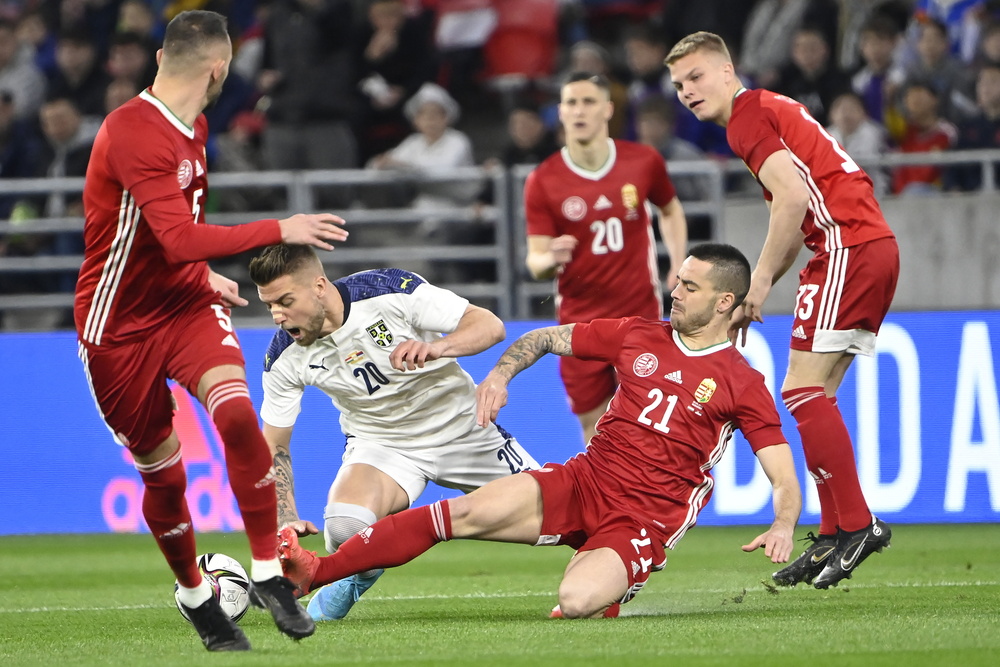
(674, 377)
(354, 357)
(184, 174)
(574, 208)
(380, 334)
(645, 365)
(799, 332)
(630, 198)
(602, 203)
(705, 390)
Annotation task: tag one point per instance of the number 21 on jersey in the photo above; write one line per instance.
(650, 412)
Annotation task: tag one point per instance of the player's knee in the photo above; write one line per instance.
(578, 602)
(342, 521)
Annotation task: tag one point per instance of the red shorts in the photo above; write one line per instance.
(129, 380)
(577, 512)
(843, 298)
(588, 383)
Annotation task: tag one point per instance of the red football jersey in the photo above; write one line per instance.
(613, 272)
(843, 211)
(146, 244)
(672, 416)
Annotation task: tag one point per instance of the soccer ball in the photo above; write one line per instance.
(229, 582)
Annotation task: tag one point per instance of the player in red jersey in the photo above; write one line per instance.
(588, 224)
(817, 195)
(148, 308)
(640, 485)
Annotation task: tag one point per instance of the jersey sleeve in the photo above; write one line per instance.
(661, 189)
(756, 416)
(539, 218)
(433, 308)
(601, 339)
(753, 135)
(148, 171)
(282, 395)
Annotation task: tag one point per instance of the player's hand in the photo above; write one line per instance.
(229, 290)
(776, 542)
(491, 395)
(301, 527)
(411, 355)
(749, 311)
(315, 229)
(562, 248)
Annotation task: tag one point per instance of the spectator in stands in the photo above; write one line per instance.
(137, 16)
(393, 57)
(118, 92)
(645, 50)
(811, 77)
(767, 40)
(958, 18)
(588, 56)
(435, 145)
(989, 45)
(862, 138)
(656, 122)
(980, 131)
(926, 130)
(946, 73)
(308, 82)
(18, 152)
(34, 30)
(131, 56)
(78, 74)
(19, 75)
(878, 80)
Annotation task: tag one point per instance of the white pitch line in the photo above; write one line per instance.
(533, 594)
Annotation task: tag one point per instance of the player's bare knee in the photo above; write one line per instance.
(578, 602)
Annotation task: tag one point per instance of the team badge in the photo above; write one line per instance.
(630, 198)
(354, 357)
(645, 365)
(380, 334)
(574, 208)
(705, 390)
(184, 174)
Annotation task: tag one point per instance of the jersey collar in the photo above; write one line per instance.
(591, 175)
(688, 352)
(167, 113)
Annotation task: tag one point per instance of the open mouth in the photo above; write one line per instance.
(294, 332)
(695, 104)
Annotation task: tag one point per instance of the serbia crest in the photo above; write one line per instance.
(380, 334)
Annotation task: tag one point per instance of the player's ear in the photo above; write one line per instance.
(725, 302)
(159, 56)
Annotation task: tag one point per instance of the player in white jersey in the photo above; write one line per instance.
(373, 343)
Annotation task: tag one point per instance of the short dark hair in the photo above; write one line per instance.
(192, 31)
(881, 26)
(730, 268)
(598, 80)
(282, 259)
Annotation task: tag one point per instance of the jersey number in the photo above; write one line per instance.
(509, 455)
(370, 372)
(848, 165)
(608, 235)
(657, 396)
(195, 205)
(804, 303)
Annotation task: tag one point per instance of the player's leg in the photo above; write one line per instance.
(594, 582)
(589, 388)
(359, 496)
(506, 510)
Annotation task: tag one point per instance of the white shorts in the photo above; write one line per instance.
(466, 463)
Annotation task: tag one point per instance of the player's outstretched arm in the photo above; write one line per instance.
(674, 232)
(777, 463)
(491, 394)
(315, 229)
(477, 330)
(279, 439)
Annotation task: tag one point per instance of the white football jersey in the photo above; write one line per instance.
(425, 407)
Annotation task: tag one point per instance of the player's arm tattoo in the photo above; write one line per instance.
(534, 345)
(284, 483)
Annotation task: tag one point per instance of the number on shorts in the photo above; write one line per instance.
(657, 396)
(223, 317)
(804, 303)
(608, 235)
(368, 373)
(508, 454)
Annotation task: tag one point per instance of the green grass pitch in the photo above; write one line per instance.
(932, 599)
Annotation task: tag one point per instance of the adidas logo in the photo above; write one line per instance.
(230, 340)
(366, 534)
(198, 169)
(602, 203)
(635, 568)
(799, 332)
(819, 475)
(674, 377)
(267, 481)
(176, 532)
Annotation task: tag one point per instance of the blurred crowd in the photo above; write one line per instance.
(424, 84)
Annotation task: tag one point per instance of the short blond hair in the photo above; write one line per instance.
(697, 41)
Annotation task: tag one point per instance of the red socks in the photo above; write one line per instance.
(396, 539)
(249, 464)
(830, 459)
(168, 518)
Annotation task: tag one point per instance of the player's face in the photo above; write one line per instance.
(584, 111)
(705, 83)
(295, 307)
(695, 298)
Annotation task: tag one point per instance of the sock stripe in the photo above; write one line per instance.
(159, 465)
(793, 401)
(438, 522)
(225, 391)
